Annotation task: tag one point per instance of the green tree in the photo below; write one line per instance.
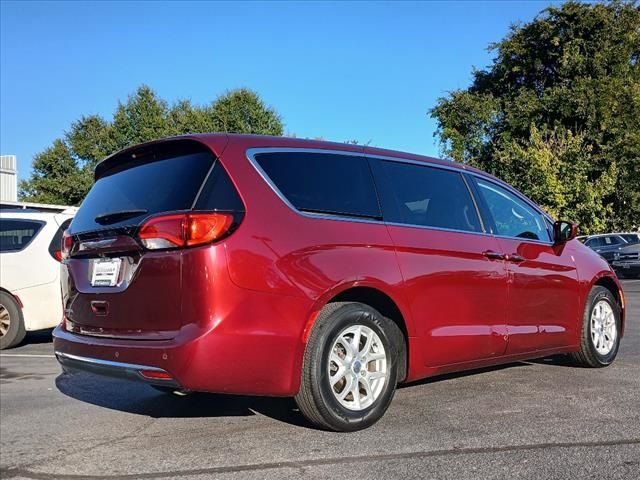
(56, 178)
(242, 111)
(63, 173)
(558, 113)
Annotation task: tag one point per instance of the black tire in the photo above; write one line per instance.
(316, 398)
(588, 356)
(16, 331)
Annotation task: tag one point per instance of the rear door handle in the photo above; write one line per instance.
(515, 258)
(491, 255)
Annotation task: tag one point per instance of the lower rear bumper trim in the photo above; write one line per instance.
(127, 371)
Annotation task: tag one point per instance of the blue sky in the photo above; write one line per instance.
(359, 70)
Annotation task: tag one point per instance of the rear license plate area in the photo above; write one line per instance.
(105, 272)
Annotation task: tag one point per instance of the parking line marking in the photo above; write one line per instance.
(300, 464)
(28, 355)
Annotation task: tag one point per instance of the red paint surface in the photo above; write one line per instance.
(233, 316)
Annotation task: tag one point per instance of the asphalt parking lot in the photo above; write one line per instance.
(541, 419)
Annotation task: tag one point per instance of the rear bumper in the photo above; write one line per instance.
(253, 350)
(126, 371)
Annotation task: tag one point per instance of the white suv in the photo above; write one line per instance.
(29, 271)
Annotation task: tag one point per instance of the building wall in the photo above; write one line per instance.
(8, 178)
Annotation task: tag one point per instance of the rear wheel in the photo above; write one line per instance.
(600, 338)
(350, 367)
(12, 330)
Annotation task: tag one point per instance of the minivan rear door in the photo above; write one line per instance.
(112, 286)
(454, 277)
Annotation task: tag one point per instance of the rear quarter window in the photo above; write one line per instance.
(322, 182)
(17, 234)
(219, 193)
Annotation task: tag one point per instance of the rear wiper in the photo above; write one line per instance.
(112, 217)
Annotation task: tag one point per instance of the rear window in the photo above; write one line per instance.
(143, 189)
(323, 183)
(16, 234)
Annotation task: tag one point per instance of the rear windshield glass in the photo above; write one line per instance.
(127, 196)
(323, 183)
(16, 234)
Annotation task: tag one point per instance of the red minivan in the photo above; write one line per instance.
(329, 272)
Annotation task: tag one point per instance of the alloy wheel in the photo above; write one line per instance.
(5, 320)
(604, 329)
(358, 367)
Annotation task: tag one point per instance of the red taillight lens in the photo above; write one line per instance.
(184, 230)
(155, 374)
(66, 244)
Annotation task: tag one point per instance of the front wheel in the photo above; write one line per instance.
(601, 324)
(350, 367)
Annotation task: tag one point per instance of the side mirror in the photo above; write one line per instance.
(564, 231)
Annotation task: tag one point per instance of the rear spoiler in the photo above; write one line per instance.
(159, 149)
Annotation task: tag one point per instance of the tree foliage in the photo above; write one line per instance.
(558, 113)
(63, 173)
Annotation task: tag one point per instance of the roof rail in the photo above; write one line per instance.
(41, 207)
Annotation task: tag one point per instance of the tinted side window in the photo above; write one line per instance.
(16, 234)
(323, 183)
(631, 237)
(512, 217)
(426, 196)
(612, 240)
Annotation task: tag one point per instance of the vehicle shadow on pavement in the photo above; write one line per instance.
(553, 360)
(556, 361)
(140, 399)
(465, 373)
(37, 337)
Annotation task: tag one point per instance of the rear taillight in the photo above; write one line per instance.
(66, 244)
(155, 374)
(184, 230)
